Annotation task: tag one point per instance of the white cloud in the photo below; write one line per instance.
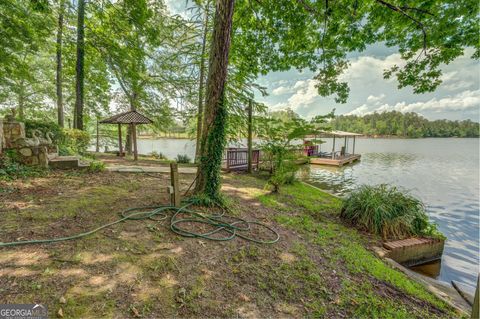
(368, 66)
(464, 101)
(456, 98)
(361, 110)
(281, 90)
(375, 99)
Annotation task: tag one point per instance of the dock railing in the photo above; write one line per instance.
(237, 158)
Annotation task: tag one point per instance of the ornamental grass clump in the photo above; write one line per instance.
(389, 212)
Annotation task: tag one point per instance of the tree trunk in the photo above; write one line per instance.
(78, 114)
(60, 115)
(249, 137)
(21, 103)
(129, 140)
(213, 134)
(200, 88)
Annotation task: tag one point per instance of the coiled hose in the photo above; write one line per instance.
(231, 225)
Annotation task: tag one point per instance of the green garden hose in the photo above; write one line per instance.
(219, 222)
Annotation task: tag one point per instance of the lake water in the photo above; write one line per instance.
(444, 173)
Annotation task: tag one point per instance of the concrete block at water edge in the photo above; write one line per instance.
(414, 251)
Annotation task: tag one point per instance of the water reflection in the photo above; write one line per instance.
(444, 173)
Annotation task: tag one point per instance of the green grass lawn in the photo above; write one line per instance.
(319, 268)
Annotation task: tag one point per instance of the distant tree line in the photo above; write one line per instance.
(410, 125)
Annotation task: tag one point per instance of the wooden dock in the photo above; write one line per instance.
(337, 161)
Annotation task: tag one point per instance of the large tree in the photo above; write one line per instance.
(80, 65)
(276, 35)
(213, 134)
(59, 75)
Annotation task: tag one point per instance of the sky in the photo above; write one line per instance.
(457, 98)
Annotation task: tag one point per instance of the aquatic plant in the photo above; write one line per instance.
(158, 155)
(388, 211)
(184, 159)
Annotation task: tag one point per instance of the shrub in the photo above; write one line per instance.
(96, 166)
(184, 159)
(75, 142)
(388, 211)
(157, 155)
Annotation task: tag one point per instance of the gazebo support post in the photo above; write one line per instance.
(120, 147)
(333, 148)
(353, 151)
(134, 137)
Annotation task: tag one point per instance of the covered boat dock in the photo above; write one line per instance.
(335, 157)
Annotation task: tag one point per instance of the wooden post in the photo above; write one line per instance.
(134, 137)
(345, 145)
(353, 152)
(476, 302)
(175, 194)
(120, 147)
(97, 146)
(249, 138)
(333, 148)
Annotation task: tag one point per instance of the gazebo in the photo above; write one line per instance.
(131, 118)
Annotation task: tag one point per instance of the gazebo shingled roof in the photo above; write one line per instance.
(130, 117)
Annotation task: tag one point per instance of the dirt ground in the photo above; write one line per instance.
(142, 269)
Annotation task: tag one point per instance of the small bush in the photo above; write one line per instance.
(157, 155)
(284, 174)
(183, 159)
(389, 212)
(96, 166)
(75, 142)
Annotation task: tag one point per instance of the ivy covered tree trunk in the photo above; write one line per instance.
(78, 114)
(60, 114)
(201, 86)
(213, 134)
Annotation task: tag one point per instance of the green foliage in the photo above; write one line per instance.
(159, 155)
(10, 169)
(388, 211)
(278, 150)
(283, 174)
(211, 160)
(75, 142)
(405, 125)
(183, 159)
(318, 35)
(96, 166)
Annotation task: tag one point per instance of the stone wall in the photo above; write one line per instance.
(11, 132)
(33, 156)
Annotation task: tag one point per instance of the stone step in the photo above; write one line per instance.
(52, 155)
(64, 162)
